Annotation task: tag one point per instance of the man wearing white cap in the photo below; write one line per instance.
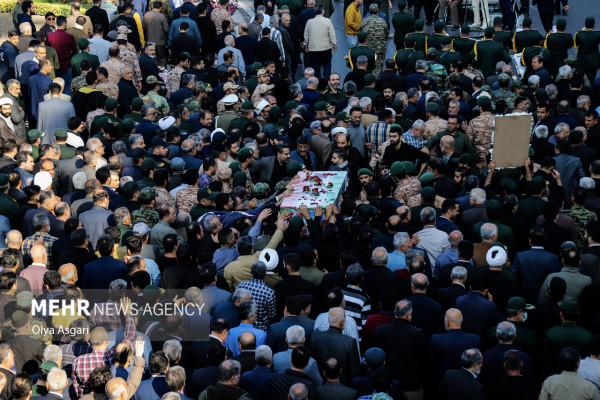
(262, 111)
(43, 179)
(224, 119)
(7, 129)
(502, 282)
(166, 122)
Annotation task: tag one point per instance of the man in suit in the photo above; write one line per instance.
(406, 362)
(447, 296)
(156, 386)
(479, 312)
(333, 343)
(99, 274)
(333, 389)
(245, 346)
(281, 382)
(56, 382)
(203, 377)
(569, 167)
(462, 383)
(427, 313)
(445, 349)
(98, 218)
(466, 250)
(532, 266)
(54, 114)
(276, 334)
(378, 278)
(272, 169)
(255, 382)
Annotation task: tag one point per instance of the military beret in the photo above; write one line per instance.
(245, 151)
(432, 106)
(590, 21)
(367, 211)
(61, 133)
(206, 193)
(240, 177)
(432, 51)
(409, 167)
(83, 43)
(397, 168)
(527, 21)
(540, 92)
(401, 5)
(19, 319)
(493, 206)
(362, 36)
(290, 105)
(489, 31)
(509, 186)
(568, 305)
(419, 24)
(365, 171)
(561, 23)
(503, 77)
(465, 28)
(4, 179)
(373, 8)
(148, 193)
(343, 116)
(24, 299)
(137, 103)
(483, 100)
(148, 164)
(247, 105)
(537, 184)
(322, 106)
(275, 112)
(369, 79)
(518, 84)
(428, 194)
(260, 189)
(48, 365)
(466, 158)
(426, 178)
(518, 303)
(127, 124)
(235, 166)
(257, 65)
(439, 24)
(110, 104)
(293, 168)
(497, 20)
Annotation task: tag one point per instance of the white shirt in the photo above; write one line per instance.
(74, 140)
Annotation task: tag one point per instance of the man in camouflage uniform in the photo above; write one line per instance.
(503, 93)
(146, 213)
(218, 15)
(436, 70)
(110, 89)
(377, 32)
(434, 123)
(37, 326)
(580, 215)
(160, 103)
(129, 58)
(407, 185)
(113, 65)
(79, 81)
(201, 90)
(187, 198)
(480, 129)
(174, 76)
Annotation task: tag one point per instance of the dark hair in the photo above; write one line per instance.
(569, 359)
(159, 362)
(293, 261)
(466, 249)
(300, 357)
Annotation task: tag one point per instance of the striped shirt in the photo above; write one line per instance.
(409, 138)
(358, 305)
(276, 37)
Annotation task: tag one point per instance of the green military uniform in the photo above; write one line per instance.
(419, 40)
(251, 84)
(588, 57)
(145, 214)
(78, 58)
(565, 335)
(581, 216)
(225, 119)
(558, 44)
(368, 91)
(125, 233)
(403, 24)
(504, 38)
(462, 144)
(361, 50)
(239, 123)
(531, 208)
(146, 182)
(330, 97)
(101, 120)
(35, 151)
(135, 117)
(463, 45)
(488, 53)
(436, 41)
(406, 59)
(66, 152)
(530, 52)
(199, 210)
(192, 104)
(8, 206)
(404, 123)
(446, 58)
(525, 38)
(37, 330)
(52, 56)
(506, 95)
(436, 71)
(160, 103)
(377, 31)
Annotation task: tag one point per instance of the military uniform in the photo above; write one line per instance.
(90, 118)
(581, 216)
(114, 70)
(404, 122)
(407, 188)
(525, 38)
(432, 126)
(160, 103)
(558, 44)
(78, 83)
(37, 330)
(504, 38)
(480, 131)
(187, 198)
(100, 120)
(66, 152)
(368, 92)
(463, 45)
(78, 58)
(531, 207)
(530, 52)
(588, 57)
(446, 58)
(331, 97)
(224, 120)
(192, 104)
(406, 59)
(506, 95)
(239, 123)
(174, 78)
(565, 335)
(361, 50)
(7, 206)
(147, 215)
(462, 144)
(377, 32)
(488, 53)
(109, 89)
(438, 73)
(419, 40)
(129, 58)
(403, 24)
(436, 41)
(219, 15)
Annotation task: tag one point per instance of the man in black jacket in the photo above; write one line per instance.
(462, 383)
(267, 49)
(281, 382)
(334, 344)
(98, 16)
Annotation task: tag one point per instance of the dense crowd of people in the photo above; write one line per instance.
(147, 149)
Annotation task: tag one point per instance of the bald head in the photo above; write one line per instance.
(455, 238)
(247, 341)
(404, 213)
(99, 338)
(68, 273)
(393, 221)
(337, 317)
(38, 254)
(188, 146)
(14, 239)
(380, 256)
(453, 319)
(116, 389)
(419, 283)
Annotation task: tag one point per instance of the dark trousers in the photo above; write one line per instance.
(547, 18)
(508, 17)
(429, 6)
(318, 60)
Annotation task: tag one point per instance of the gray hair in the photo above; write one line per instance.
(400, 239)
(418, 124)
(335, 316)
(362, 61)
(478, 195)
(421, 64)
(119, 147)
(171, 396)
(587, 183)
(488, 231)
(533, 80)
(124, 180)
(183, 219)
(412, 92)
(65, 278)
(258, 269)
(134, 138)
(193, 295)
(428, 215)
(506, 331)
(121, 214)
(458, 274)
(175, 378)
(500, 67)
(414, 254)
(273, 20)
(25, 27)
(116, 393)
(355, 272)
(52, 353)
(312, 81)
(93, 144)
(564, 71)
(241, 294)
(228, 369)
(209, 223)
(40, 221)
(365, 102)
(116, 289)
(146, 109)
(309, 71)
(12, 83)
(259, 16)
(457, 240)
(295, 335)
(471, 357)
(263, 354)
(583, 99)
(350, 88)
(559, 127)
(382, 259)
(455, 102)
(298, 392)
(186, 79)
(403, 308)
(354, 102)
(294, 90)
(541, 132)
(57, 379)
(552, 91)
(79, 180)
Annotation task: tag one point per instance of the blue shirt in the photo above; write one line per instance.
(396, 260)
(224, 256)
(448, 257)
(235, 333)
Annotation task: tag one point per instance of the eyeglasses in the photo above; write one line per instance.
(50, 19)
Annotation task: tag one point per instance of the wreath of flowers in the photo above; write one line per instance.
(231, 6)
